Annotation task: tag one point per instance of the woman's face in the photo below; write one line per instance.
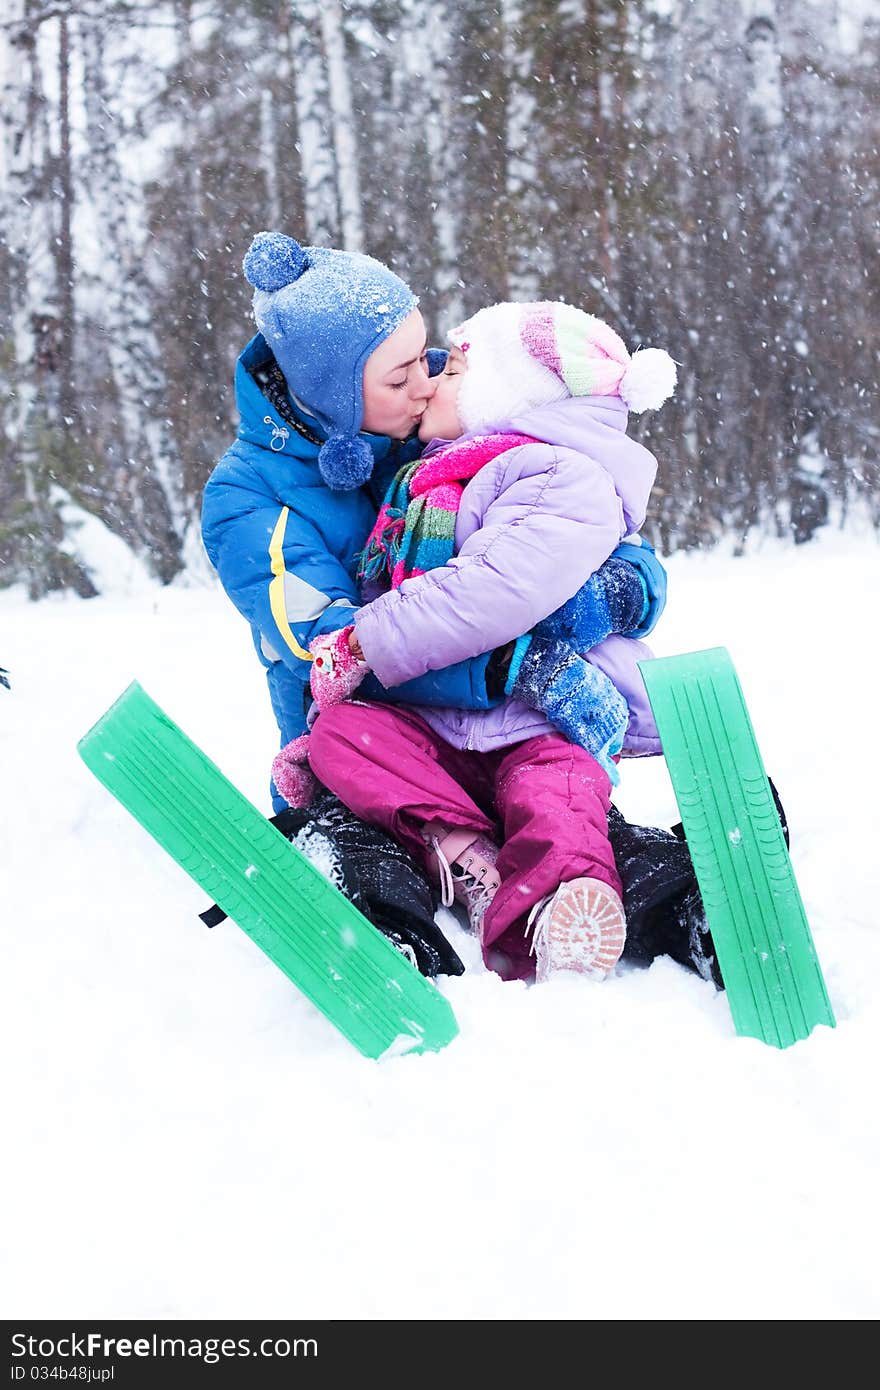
(396, 383)
(440, 420)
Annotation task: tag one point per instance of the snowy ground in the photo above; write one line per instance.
(187, 1137)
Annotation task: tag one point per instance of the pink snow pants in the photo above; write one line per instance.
(544, 800)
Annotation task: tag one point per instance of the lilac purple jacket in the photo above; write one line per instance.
(532, 527)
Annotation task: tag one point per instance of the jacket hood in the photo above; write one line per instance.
(263, 425)
(596, 426)
(591, 425)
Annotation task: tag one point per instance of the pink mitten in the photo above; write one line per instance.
(336, 671)
(292, 775)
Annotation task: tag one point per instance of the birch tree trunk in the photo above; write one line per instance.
(269, 143)
(522, 178)
(319, 181)
(771, 300)
(441, 176)
(143, 495)
(765, 110)
(279, 151)
(344, 133)
(28, 226)
(67, 392)
(35, 227)
(17, 65)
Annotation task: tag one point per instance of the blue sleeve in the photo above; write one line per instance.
(462, 686)
(275, 567)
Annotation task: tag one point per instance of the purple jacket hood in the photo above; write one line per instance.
(596, 426)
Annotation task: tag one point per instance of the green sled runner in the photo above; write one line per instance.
(750, 895)
(338, 959)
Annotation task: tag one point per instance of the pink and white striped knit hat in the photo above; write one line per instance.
(520, 356)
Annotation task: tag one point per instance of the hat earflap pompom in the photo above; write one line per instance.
(346, 462)
(273, 261)
(649, 380)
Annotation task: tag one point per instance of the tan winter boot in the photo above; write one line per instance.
(581, 927)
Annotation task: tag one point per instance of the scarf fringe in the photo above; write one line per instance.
(382, 550)
(420, 509)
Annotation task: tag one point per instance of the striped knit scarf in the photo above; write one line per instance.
(415, 528)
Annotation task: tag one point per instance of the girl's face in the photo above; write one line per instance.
(396, 383)
(440, 420)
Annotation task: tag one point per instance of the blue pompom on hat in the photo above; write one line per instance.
(323, 313)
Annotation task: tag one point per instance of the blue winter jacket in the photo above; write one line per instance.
(284, 546)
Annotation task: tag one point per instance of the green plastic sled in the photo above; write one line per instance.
(348, 970)
(753, 906)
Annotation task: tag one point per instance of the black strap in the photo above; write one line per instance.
(214, 915)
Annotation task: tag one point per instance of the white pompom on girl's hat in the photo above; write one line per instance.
(521, 356)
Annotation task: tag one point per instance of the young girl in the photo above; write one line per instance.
(482, 540)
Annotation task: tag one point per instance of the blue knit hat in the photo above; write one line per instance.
(323, 313)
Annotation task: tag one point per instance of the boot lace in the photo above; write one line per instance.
(536, 912)
(478, 893)
(447, 882)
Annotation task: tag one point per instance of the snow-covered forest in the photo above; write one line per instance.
(704, 173)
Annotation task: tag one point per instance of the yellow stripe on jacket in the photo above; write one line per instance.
(276, 587)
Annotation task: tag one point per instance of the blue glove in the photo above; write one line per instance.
(575, 696)
(640, 554)
(614, 599)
